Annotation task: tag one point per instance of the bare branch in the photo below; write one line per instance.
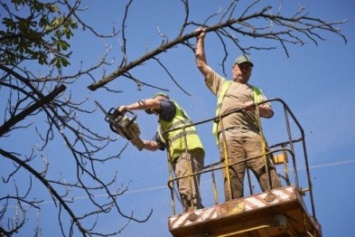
(283, 29)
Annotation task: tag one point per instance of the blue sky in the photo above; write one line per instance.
(317, 82)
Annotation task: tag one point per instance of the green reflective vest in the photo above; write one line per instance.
(257, 96)
(175, 140)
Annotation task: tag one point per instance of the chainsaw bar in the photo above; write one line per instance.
(122, 125)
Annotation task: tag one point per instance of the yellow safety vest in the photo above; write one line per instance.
(175, 140)
(257, 97)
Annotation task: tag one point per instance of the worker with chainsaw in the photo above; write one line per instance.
(185, 156)
(239, 136)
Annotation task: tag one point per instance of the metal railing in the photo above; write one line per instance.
(285, 147)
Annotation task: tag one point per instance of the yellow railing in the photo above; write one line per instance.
(283, 153)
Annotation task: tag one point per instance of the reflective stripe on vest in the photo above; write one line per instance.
(175, 139)
(257, 97)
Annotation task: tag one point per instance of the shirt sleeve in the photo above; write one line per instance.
(214, 82)
(168, 110)
(262, 97)
(161, 144)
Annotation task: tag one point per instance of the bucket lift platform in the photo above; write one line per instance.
(277, 213)
(280, 212)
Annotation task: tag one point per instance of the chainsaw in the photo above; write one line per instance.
(123, 125)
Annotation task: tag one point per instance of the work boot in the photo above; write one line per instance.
(184, 203)
(191, 205)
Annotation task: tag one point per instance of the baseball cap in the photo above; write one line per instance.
(161, 94)
(243, 59)
(149, 111)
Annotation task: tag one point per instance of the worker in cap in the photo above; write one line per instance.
(238, 135)
(243, 59)
(160, 95)
(186, 157)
